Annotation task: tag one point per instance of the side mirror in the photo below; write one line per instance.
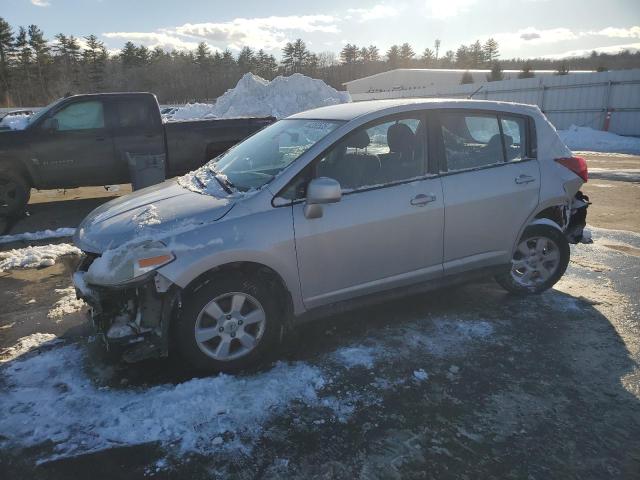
(321, 191)
(50, 124)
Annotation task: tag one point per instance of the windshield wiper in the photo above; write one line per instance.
(222, 179)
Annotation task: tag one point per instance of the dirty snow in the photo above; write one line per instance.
(35, 257)
(211, 414)
(40, 235)
(27, 344)
(588, 139)
(68, 303)
(254, 96)
(15, 122)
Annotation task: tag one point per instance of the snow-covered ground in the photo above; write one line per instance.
(254, 96)
(205, 415)
(588, 139)
(41, 235)
(35, 257)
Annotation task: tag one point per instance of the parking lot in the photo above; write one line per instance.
(467, 382)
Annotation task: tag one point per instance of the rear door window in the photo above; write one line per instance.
(471, 140)
(514, 130)
(134, 114)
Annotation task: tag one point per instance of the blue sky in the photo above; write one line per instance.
(524, 28)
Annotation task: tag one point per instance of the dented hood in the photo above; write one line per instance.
(155, 212)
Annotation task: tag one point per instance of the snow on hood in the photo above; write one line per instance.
(254, 96)
(151, 213)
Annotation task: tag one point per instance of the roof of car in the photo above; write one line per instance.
(349, 111)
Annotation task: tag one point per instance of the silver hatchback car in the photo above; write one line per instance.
(325, 210)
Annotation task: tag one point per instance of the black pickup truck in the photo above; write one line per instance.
(85, 140)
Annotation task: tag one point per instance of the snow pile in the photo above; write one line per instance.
(15, 122)
(254, 96)
(35, 257)
(357, 356)
(67, 304)
(43, 234)
(588, 139)
(28, 343)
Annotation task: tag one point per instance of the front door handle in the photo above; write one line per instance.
(520, 179)
(422, 199)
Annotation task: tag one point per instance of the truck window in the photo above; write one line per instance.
(81, 116)
(134, 114)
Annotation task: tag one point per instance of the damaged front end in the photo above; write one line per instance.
(132, 316)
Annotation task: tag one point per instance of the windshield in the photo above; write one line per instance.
(255, 161)
(44, 110)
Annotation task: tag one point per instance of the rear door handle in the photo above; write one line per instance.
(520, 179)
(422, 199)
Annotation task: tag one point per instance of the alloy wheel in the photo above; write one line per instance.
(535, 261)
(230, 326)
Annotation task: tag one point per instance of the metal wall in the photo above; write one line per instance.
(606, 100)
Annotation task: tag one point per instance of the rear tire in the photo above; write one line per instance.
(539, 261)
(15, 192)
(229, 323)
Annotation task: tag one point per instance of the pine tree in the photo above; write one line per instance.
(526, 71)
(41, 56)
(393, 56)
(363, 55)
(466, 78)
(246, 60)
(129, 55)
(142, 55)
(374, 53)
(406, 55)
(6, 50)
(349, 54)
(490, 49)
(496, 73)
(462, 57)
(95, 58)
(428, 57)
(476, 54)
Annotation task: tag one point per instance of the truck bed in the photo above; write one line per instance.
(191, 143)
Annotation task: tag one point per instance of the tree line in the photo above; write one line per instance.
(34, 70)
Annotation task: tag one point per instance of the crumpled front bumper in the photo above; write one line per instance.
(133, 317)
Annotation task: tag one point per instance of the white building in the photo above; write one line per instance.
(602, 101)
(415, 78)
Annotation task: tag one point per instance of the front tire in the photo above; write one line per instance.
(15, 192)
(539, 261)
(229, 323)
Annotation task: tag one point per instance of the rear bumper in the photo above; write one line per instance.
(577, 220)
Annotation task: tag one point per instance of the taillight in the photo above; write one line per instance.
(577, 165)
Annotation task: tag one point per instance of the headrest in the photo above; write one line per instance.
(359, 139)
(400, 137)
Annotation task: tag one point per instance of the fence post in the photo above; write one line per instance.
(607, 110)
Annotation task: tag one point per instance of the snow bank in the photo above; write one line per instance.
(15, 122)
(256, 97)
(43, 234)
(67, 304)
(588, 139)
(34, 257)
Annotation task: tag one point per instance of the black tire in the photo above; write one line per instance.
(254, 285)
(508, 281)
(15, 192)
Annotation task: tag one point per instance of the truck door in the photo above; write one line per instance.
(74, 146)
(137, 129)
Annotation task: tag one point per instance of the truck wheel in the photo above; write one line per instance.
(540, 259)
(14, 192)
(228, 324)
